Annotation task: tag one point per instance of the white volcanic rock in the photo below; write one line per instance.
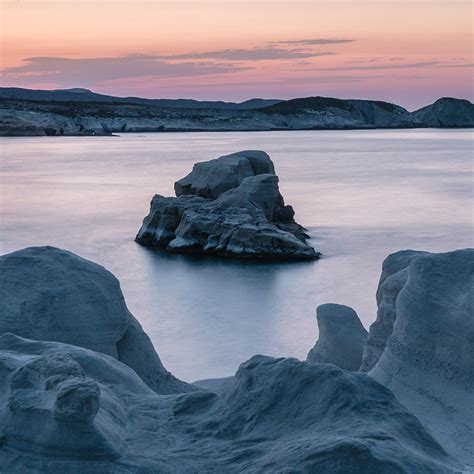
(341, 337)
(284, 415)
(392, 280)
(249, 220)
(68, 409)
(63, 401)
(51, 294)
(210, 179)
(429, 360)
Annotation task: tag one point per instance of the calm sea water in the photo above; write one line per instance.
(361, 194)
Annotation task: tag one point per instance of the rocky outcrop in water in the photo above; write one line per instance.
(429, 359)
(49, 294)
(341, 337)
(230, 207)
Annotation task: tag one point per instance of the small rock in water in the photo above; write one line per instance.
(230, 207)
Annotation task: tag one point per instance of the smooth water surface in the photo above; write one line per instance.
(361, 194)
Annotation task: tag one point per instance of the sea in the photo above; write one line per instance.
(361, 195)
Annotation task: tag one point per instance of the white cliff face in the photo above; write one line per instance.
(429, 360)
(341, 337)
(50, 294)
(230, 207)
(392, 280)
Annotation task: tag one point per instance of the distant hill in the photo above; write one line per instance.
(447, 112)
(85, 95)
(82, 112)
(376, 113)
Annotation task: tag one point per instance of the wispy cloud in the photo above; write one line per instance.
(253, 54)
(381, 67)
(89, 71)
(315, 41)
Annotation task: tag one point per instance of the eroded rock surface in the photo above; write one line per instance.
(65, 408)
(341, 337)
(62, 401)
(429, 360)
(50, 294)
(392, 280)
(69, 409)
(230, 207)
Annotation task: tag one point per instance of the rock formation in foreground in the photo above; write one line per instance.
(230, 207)
(49, 294)
(65, 408)
(69, 409)
(393, 279)
(446, 112)
(429, 360)
(341, 337)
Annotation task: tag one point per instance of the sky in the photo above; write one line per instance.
(410, 52)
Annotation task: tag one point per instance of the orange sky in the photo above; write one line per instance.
(407, 51)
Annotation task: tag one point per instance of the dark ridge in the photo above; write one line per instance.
(307, 103)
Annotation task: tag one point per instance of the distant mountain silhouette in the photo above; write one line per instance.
(85, 95)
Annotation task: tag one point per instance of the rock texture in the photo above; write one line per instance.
(341, 337)
(65, 408)
(63, 401)
(429, 360)
(446, 112)
(68, 409)
(392, 280)
(51, 294)
(230, 207)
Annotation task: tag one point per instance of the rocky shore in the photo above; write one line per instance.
(82, 388)
(230, 207)
(66, 113)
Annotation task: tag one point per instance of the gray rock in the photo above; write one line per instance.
(210, 179)
(429, 360)
(446, 112)
(242, 216)
(63, 401)
(50, 294)
(392, 280)
(77, 410)
(341, 337)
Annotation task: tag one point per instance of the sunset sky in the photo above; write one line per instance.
(407, 51)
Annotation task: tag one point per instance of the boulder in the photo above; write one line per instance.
(210, 179)
(230, 207)
(428, 362)
(64, 401)
(49, 294)
(392, 280)
(341, 337)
